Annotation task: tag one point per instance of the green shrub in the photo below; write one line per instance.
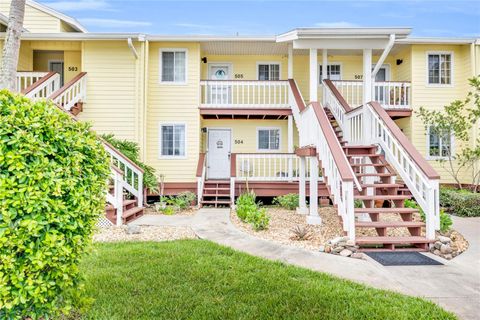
(259, 219)
(245, 205)
(131, 151)
(53, 180)
(460, 202)
(289, 201)
(445, 219)
(183, 200)
(168, 211)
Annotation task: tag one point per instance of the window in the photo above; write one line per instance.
(269, 139)
(173, 65)
(268, 71)
(172, 140)
(334, 72)
(439, 145)
(440, 68)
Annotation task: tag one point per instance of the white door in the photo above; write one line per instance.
(218, 156)
(57, 66)
(220, 93)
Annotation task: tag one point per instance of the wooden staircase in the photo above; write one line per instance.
(216, 193)
(130, 211)
(381, 196)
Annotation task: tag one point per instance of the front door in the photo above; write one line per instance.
(220, 93)
(218, 156)
(56, 66)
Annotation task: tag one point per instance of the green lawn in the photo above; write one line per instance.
(195, 279)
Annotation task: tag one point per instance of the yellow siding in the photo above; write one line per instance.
(42, 58)
(35, 20)
(403, 72)
(112, 95)
(245, 66)
(168, 103)
(435, 97)
(245, 132)
(72, 64)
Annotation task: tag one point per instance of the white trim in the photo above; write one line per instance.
(67, 19)
(279, 140)
(62, 76)
(452, 63)
(330, 64)
(220, 64)
(160, 141)
(388, 69)
(279, 63)
(452, 146)
(173, 83)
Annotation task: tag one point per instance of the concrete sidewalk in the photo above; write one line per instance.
(455, 285)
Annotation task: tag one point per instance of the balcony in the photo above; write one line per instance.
(392, 95)
(244, 98)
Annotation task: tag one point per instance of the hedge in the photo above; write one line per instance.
(53, 174)
(460, 202)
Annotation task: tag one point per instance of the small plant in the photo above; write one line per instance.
(445, 219)
(183, 200)
(168, 211)
(301, 233)
(289, 201)
(245, 204)
(259, 219)
(358, 203)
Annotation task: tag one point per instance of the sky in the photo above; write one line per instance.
(268, 17)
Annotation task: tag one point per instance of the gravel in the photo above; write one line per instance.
(147, 233)
(282, 221)
(187, 212)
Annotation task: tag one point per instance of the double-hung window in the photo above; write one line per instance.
(439, 144)
(268, 71)
(440, 68)
(172, 140)
(173, 65)
(334, 72)
(268, 139)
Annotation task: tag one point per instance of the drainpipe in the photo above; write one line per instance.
(384, 55)
(130, 45)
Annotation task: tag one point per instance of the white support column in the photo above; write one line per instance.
(302, 203)
(313, 75)
(290, 146)
(313, 217)
(290, 61)
(367, 75)
(324, 72)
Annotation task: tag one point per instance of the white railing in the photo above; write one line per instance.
(390, 94)
(27, 78)
(71, 93)
(132, 174)
(315, 130)
(44, 87)
(201, 178)
(267, 166)
(116, 198)
(244, 94)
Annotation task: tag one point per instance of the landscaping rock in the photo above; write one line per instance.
(337, 240)
(321, 249)
(350, 243)
(437, 252)
(448, 256)
(445, 249)
(443, 239)
(437, 245)
(358, 255)
(133, 229)
(337, 250)
(346, 253)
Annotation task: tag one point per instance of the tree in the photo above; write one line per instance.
(11, 49)
(458, 119)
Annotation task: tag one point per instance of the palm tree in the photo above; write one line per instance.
(11, 49)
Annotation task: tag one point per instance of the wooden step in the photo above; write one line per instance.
(390, 224)
(391, 240)
(131, 212)
(370, 155)
(216, 202)
(369, 165)
(381, 185)
(219, 189)
(382, 197)
(362, 147)
(385, 210)
(375, 174)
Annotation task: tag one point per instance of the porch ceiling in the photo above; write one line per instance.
(226, 113)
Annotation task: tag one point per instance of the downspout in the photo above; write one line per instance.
(130, 45)
(384, 55)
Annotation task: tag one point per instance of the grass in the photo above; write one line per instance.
(195, 279)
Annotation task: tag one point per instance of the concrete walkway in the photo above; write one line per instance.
(455, 285)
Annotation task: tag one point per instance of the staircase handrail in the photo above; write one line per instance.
(43, 87)
(201, 172)
(72, 92)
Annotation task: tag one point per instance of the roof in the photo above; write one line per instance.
(329, 33)
(67, 19)
(420, 40)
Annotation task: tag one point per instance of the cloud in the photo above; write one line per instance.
(338, 24)
(80, 5)
(114, 23)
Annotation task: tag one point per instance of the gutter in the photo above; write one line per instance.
(384, 55)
